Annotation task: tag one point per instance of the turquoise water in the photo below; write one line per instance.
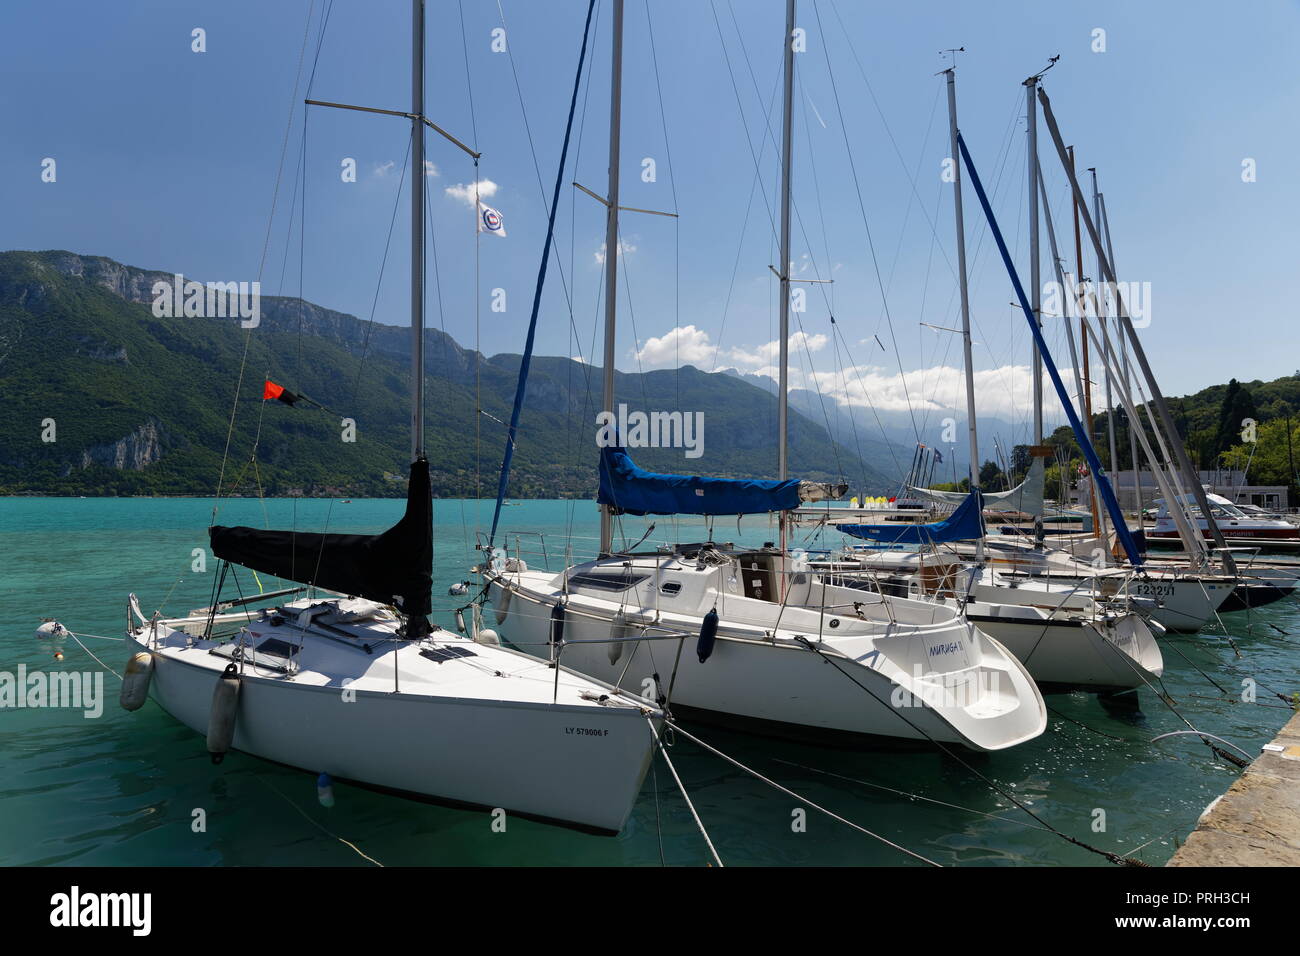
(121, 789)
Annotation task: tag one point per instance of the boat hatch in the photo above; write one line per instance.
(270, 653)
(443, 654)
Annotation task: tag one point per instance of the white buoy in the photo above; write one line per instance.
(51, 630)
(503, 604)
(488, 636)
(221, 719)
(618, 636)
(135, 681)
(457, 589)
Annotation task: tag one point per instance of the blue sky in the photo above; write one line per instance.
(168, 159)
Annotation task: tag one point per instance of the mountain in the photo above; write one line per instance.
(104, 397)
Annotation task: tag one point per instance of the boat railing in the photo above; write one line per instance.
(528, 546)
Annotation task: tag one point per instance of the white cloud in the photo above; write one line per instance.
(429, 168)
(464, 192)
(380, 170)
(626, 247)
(1005, 392)
(691, 346)
(685, 343)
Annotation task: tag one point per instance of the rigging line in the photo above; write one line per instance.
(915, 199)
(469, 81)
(857, 369)
(913, 796)
(848, 38)
(685, 796)
(575, 335)
(735, 269)
(871, 244)
(478, 355)
(541, 281)
(672, 182)
(537, 169)
(950, 752)
(844, 390)
(351, 846)
(755, 157)
(266, 244)
(383, 263)
(790, 793)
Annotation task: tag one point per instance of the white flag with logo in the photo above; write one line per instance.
(489, 220)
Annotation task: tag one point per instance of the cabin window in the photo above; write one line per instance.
(671, 588)
(605, 581)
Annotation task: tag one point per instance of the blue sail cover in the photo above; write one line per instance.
(964, 524)
(634, 491)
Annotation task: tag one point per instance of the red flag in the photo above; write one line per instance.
(271, 390)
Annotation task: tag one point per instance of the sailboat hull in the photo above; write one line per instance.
(838, 691)
(1064, 654)
(580, 766)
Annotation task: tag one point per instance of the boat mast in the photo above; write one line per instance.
(417, 229)
(612, 241)
(1086, 397)
(1100, 300)
(1036, 290)
(1125, 374)
(951, 73)
(787, 141)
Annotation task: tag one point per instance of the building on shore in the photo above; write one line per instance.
(1229, 483)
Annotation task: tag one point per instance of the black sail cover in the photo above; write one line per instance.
(394, 567)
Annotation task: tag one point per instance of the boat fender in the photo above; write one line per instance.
(51, 630)
(135, 681)
(708, 634)
(618, 636)
(489, 636)
(325, 790)
(503, 603)
(221, 718)
(557, 623)
(460, 620)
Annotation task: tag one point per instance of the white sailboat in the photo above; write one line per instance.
(362, 688)
(773, 645)
(1065, 638)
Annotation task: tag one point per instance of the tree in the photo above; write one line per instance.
(1237, 406)
(990, 475)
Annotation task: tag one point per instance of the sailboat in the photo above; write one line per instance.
(353, 682)
(1066, 637)
(774, 647)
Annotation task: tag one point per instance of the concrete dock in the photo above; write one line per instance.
(1257, 822)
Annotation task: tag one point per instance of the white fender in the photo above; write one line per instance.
(221, 719)
(618, 633)
(503, 603)
(135, 681)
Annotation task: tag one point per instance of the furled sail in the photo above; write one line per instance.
(632, 490)
(964, 524)
(394, 567)
(1025, 498)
